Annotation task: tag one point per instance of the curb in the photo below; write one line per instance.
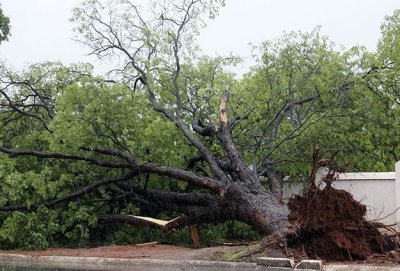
(345, 267)
(124, 264)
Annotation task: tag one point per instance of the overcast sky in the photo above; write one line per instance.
(41, 30)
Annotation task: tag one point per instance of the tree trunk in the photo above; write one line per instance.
(260, 208)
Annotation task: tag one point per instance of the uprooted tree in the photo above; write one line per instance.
(172, 131)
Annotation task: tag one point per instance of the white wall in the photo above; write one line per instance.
(379, 191)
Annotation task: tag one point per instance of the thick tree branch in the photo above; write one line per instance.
(208, 157)
(236, 161)
(205, 182)
(194, 215)
(199, 128)
(168, 197)
(129, 163)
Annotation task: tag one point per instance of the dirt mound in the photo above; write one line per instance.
(333, 226)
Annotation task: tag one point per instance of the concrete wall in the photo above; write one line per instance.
(379, 191)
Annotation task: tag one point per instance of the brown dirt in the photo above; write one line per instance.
(140, 251)
(333, 226)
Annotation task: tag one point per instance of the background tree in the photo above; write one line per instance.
(300, 83)
(313, 95)
(4, 27)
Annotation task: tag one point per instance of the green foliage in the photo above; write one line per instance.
(287, 96)
(347, 115)
(29, 230)
(89, 113)
(231, 231)
(77, 222)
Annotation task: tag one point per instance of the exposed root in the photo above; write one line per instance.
(327, 224)
(332, 226)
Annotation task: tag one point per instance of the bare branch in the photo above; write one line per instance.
(282, 113)
(22, 112)
(56, 155)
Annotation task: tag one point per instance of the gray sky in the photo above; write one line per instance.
(41, 30)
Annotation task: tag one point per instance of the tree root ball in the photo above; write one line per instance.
(332, 226)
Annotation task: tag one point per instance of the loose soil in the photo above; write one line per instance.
(139, 251)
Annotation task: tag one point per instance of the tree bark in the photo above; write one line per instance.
(260, 208)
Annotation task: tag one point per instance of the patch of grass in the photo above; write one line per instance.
(232, 256)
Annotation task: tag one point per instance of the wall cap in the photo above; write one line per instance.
(366, 176)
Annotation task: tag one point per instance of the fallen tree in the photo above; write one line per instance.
(93, 148)
(237, 197)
